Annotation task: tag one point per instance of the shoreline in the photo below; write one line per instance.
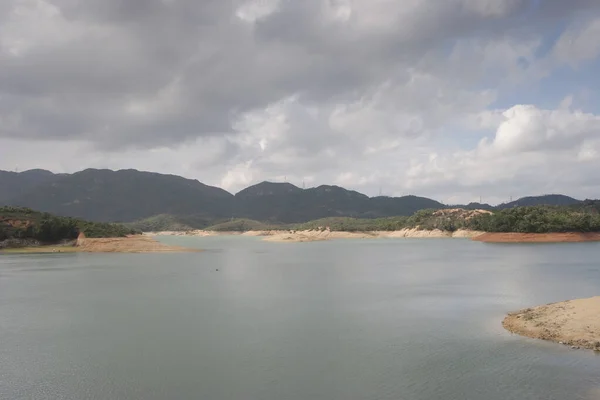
(321, 235)
(513, 237)
(574, 323)
(129, 244)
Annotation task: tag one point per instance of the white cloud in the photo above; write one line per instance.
(533, 151)
(254, 10)
(527, 128)
(589, 151)
(238, 176)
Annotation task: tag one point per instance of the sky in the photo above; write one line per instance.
(457, 100)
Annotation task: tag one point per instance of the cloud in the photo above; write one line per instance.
(579, 44)
(532, 151)
(527, 128)
(365, 93)
(144, 73)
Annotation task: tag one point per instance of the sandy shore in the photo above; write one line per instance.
(538, 237)
(311, 236)
(131, 244)
(198, 232)
(574, 323)
(315, 236)
(319, 235)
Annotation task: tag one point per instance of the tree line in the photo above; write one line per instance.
(530, 219)
(24, 223)
(538, 219)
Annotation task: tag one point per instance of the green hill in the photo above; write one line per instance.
(538, 219)
(13, 184)
(534, 219)
(124, 196)
(19, 224)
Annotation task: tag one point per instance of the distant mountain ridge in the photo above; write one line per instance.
(548, 199)
(122, 196)
(14, 184)
(130, 195)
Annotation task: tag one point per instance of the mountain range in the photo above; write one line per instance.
(130, 195)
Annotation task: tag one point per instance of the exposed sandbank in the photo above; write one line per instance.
(567, 237)
(574, 323)
(131, 244)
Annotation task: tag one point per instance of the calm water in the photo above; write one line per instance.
(342, 320)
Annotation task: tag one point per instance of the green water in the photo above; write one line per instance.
(367, 319)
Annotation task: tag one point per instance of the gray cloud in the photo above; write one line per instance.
(324, 90)
(157, 71)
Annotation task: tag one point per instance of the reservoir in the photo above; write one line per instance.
(381, 319)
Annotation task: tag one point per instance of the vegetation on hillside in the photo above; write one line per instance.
(167, 222)
(537, 219)
(23, 223)
(129, 195)
(590, 206)
(446, 220)
(243, 225)
(346, 224)
(123, 196)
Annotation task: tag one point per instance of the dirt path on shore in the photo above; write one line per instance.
(574, 323)
(566, 237)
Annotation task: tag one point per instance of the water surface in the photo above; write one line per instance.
(348, 319)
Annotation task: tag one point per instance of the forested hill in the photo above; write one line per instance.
(526, 219)
(14, 185)
(126, 195)
(17, 223)
(131, 195)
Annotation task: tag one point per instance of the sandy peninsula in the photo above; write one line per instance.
(567, 237)
(574, 323)
(130, 244)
